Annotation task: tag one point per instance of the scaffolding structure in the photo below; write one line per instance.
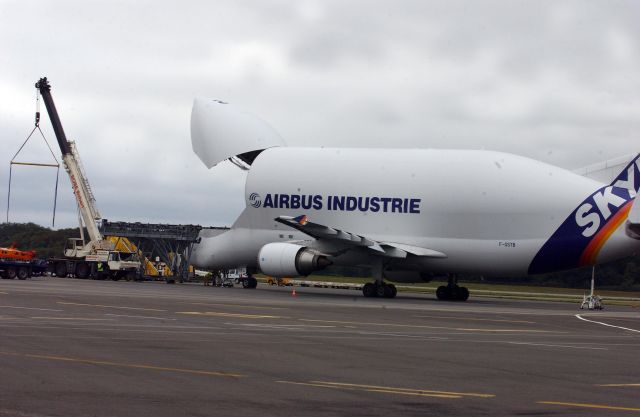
(172, 244)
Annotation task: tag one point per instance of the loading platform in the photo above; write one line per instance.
(171, 244)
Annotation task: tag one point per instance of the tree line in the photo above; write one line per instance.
(623, 274)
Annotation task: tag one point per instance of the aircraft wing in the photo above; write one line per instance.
(342, 238)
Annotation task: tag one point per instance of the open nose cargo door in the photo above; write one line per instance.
(221, 131)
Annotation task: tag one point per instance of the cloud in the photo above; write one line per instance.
(555, 81)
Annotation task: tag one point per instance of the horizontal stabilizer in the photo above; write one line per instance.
(220, 131)
(606, 171)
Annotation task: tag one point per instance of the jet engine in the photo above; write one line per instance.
(287, 259)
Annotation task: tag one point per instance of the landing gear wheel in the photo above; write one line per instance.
(83, 270)
(381, 290)
(393, 289)
(369, 290)
(23, 273)
(61, 269)
(11, 272)
(453, 293)
(463, 294)
(388, 291)
(443, 293)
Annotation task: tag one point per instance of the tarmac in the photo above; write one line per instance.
(100, 348)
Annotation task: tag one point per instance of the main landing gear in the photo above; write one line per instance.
(382, 290)
(451, 291)
(379, 288)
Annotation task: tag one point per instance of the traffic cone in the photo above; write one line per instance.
(293, 293)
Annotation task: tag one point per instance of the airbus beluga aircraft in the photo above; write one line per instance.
(409, 214)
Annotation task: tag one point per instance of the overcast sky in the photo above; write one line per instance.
(556, 81)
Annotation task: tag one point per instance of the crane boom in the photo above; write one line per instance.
(81, 189)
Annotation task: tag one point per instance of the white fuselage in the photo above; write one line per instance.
(491, 213)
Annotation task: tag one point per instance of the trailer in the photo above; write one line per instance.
(21, 264)
(11, 269)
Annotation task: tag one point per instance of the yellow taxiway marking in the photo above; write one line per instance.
(388, 390)
(421, 391)
(219, 314)
(475, 319)
(419, 326)
(123, 365)
(107, 306)
(69, 318)
(618, 385)
(139, 317)
(31, 308)
(240, 306)
(596, 406)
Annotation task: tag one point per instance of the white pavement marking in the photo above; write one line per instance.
(558, 346)
(31, 308)
(607, 324)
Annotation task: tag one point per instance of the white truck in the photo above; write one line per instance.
(95, 257)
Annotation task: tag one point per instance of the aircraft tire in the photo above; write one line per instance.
(394, 290)
(369, 290)
(390, 290)
(381, 290)
(253, 283)
(443, 293)
(463, 294)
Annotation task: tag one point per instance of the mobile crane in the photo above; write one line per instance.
(96, 257)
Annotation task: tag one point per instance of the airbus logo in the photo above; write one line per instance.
(255, 200)
(373, 204)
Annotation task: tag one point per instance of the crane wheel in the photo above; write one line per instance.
(23, 273)
(83, 270)
(61, 269)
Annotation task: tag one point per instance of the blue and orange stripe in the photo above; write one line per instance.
(590, 253)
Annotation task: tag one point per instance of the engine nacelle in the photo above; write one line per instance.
(288, 260)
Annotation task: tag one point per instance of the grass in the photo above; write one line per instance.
(517, 292)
